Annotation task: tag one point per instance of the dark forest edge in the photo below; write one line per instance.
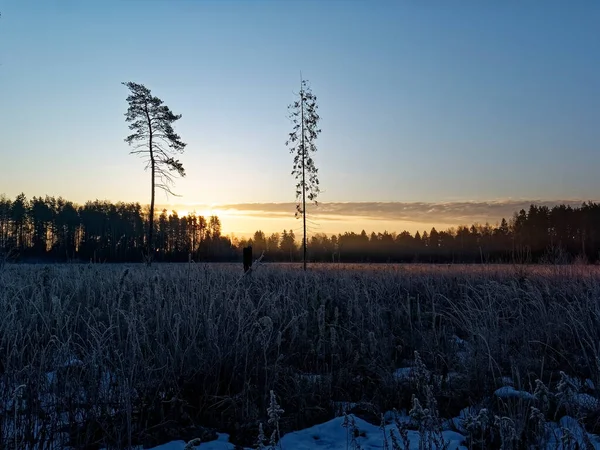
(56, 230)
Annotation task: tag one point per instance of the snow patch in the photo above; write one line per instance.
(330, 435)
(403, 374)
(511, 392)
(585, 401)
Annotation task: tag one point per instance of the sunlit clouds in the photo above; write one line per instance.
(337, 217)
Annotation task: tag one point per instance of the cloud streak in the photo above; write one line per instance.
(447, 212)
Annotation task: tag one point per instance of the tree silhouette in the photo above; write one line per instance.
(288, 244)
(41, 217)
(304, 117)
(55, 229)
(18, 213)
(259, 242)
(155, 140)
(5, 222)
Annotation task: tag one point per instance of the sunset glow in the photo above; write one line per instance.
(242, 220)
(478, 107)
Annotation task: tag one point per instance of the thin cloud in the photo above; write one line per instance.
(422, 212)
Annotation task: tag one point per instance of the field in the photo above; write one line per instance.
(116, 356)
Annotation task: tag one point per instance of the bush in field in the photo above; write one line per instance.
(120, 355)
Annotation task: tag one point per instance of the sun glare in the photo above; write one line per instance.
(206, 212)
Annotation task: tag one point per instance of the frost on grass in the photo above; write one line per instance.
(130, 355)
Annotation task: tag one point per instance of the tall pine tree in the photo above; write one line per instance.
(155, 140)
(301, 142)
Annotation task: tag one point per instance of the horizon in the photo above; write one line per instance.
(339, 217)
(422, 105)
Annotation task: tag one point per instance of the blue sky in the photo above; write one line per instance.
(420, 101)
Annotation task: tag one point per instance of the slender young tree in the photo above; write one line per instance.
(301, 142)
(154, 139)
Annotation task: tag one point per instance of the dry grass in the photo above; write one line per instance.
(144, 355)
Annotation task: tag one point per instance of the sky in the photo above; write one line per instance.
(430, 106)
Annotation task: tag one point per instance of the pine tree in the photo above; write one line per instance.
(155, 140)
(301, 141)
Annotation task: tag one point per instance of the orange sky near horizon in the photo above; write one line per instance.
(242, 226)
(242, 220)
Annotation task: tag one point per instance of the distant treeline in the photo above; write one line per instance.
(54, 229)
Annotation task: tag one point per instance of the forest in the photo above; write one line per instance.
(49, 229)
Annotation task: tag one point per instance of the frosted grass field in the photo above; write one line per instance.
(119, 356)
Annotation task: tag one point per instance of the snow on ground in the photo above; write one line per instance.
(333, 436)
(556, 433)
(511, 392)
(222, 443)
(403, 374)
(585, 401)
(330, 435)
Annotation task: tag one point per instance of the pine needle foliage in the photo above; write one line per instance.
(155, 140)
(301, 142)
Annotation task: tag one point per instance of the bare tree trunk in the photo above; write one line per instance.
(153, 184)
(151, 219)
(303, 185)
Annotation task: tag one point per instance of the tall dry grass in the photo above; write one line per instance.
(113, 356)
